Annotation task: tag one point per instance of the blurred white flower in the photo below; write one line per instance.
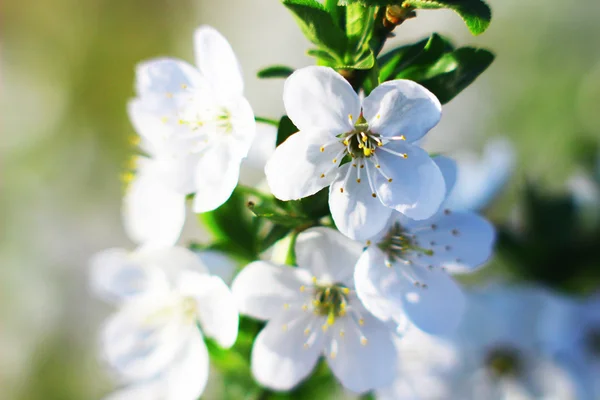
(252, 172)
(168, 302)
(494, 354)
(313, 310)
(196, 126)
(385, 169)
(405, 271)
(571, 333)
(479, 180)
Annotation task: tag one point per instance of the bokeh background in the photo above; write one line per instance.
(67, 73)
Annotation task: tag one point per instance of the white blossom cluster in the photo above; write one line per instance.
(374, 296)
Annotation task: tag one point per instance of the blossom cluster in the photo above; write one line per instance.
(369, 289)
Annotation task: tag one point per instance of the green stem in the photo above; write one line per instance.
(265, 120)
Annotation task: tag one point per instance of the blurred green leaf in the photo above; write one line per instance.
(476, 13)
(411, 59)
(435, 64)
(232, 224)
(319, 26)
(285, 130)
(359, 27)
(455, 71)
(275, 71)
(277, 215)
(324, 57)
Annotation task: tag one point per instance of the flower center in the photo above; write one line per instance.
(359, 147)
(189, 309)
(330, 301)
(504, 361)
(361, 142)
(398, 242)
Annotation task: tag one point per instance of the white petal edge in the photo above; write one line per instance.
(217, 174)
(217, 61)
(116, 276)
(417, 189)
(262, 288)
(162, 76)
(279, 358)
(356, 213)
(153, 213)
(216, 307)
(327, 255)
(298, 167)
(402, 107)
(320, 98)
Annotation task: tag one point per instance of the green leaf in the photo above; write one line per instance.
(275, 71)
(324, 57)
(232, 224)
(359, 26)
(285, 130)
(435, 64)
(318, 25)
(476, 13)
(413, 58)
(277, 215)
(367, 61)
(455, 71)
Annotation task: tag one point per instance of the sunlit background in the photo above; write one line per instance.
(67, 70)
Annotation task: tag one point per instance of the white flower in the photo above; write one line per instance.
(197, 127)
(252, 172)
(571, 333)
(479, 180)
(165, 296)
(386, 170)
(493, 355)
(313, 310)
(406, 269)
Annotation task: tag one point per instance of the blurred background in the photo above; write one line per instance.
(67, 73)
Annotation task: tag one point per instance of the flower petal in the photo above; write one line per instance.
(372, 279)
(153, 213)
(187, 377)
(402, 107)
(252, 171)
(417, 188)
(243, 127)
(279, 358)
(141, 339)
(463, 241)
(436, 309)
(171, 260)
(298, 168)
(448, 168)
(116, 276)
(365, 358)
(320, 98)
(217, 174)
(327, 254)
(356, 213)
(217, 61)
(479, 181)
(216, 306)
(262, 288)
(165, 76)
(218, 264)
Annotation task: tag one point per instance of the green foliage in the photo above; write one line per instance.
(285, 130)
(319, 26)
(553, 246)
(232, 227)
(435, 64)
(275, 71)
(476, 13)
